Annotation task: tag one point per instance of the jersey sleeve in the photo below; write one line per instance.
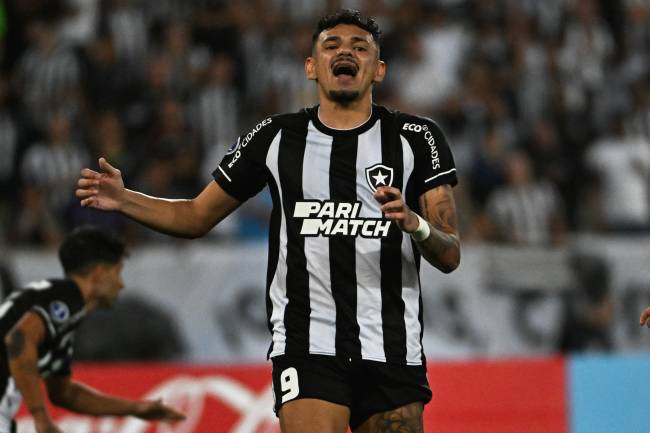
(56, 307)
(42, 312)
(242, 172)
(434, 162)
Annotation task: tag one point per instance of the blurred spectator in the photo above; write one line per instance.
(587, 49)
(35, 222)
(486, 172)
(524, 211)
(106, 80)
(215, 110)
(547, 16)
(638, 28)
(51, 168)
(288, 89)
(127, 26)
(185, 61)
(588, 307)
(48, 75)
(146, 96)
(79, 26)
(552, 162)
(429, 70)
(638, 122)
(531, 68)
(9, 151)
(170, 134)
(108, 140)
(620, 194)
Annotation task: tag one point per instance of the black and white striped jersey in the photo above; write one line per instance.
(61, 306)
(341, 279)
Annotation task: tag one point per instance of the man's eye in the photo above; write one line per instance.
(361, 48)
(330, 47)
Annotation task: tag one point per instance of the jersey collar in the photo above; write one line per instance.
(313, 114)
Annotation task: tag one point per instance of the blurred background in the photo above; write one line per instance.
(545, 104)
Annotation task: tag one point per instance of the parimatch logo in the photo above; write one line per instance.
(330, 218)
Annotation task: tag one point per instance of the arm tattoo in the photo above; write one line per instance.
(406, 419)
(442, 248)
(441, 213)
(16, 344)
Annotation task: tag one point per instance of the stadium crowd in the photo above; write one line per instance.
(546, 104)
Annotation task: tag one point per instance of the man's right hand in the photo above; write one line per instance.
(101, 190)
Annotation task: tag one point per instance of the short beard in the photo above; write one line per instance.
(344, 97)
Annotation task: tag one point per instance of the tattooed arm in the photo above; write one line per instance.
(22, 352)
(81, 398)
(442, 247)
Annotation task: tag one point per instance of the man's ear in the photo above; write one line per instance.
(97, 273)
(310, 68)
(380, 74)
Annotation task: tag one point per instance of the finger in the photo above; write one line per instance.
(393, 206)
(85, 183)
(380, 196)
(105, 166)
(85, 193)
(390, 192)
(176, 416)
(395, 216)
(170, 414)
(91, 174)
(88, 202)
(644, 317)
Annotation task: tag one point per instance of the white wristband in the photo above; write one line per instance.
(423, 231)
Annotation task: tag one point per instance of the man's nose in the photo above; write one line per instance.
(344, 51)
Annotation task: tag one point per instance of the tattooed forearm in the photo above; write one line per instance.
(16, 344)
(442, 247)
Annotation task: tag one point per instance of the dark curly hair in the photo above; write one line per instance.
(347, 16)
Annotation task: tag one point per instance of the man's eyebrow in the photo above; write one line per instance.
(335, 38)
(332, 38)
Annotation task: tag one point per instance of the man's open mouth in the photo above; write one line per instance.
(345, 68)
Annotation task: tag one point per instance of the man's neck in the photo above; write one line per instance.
(348, 116)
(85, 287)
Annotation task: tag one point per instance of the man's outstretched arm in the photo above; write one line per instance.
(441, 247)
(189, 218)
(80, 398)
(22, 351)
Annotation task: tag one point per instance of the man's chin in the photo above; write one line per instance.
(344, 96)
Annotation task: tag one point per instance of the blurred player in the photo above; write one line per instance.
(38, 325)
(644, 317)
(343, 294)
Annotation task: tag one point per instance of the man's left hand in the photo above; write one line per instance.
(395, 209)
